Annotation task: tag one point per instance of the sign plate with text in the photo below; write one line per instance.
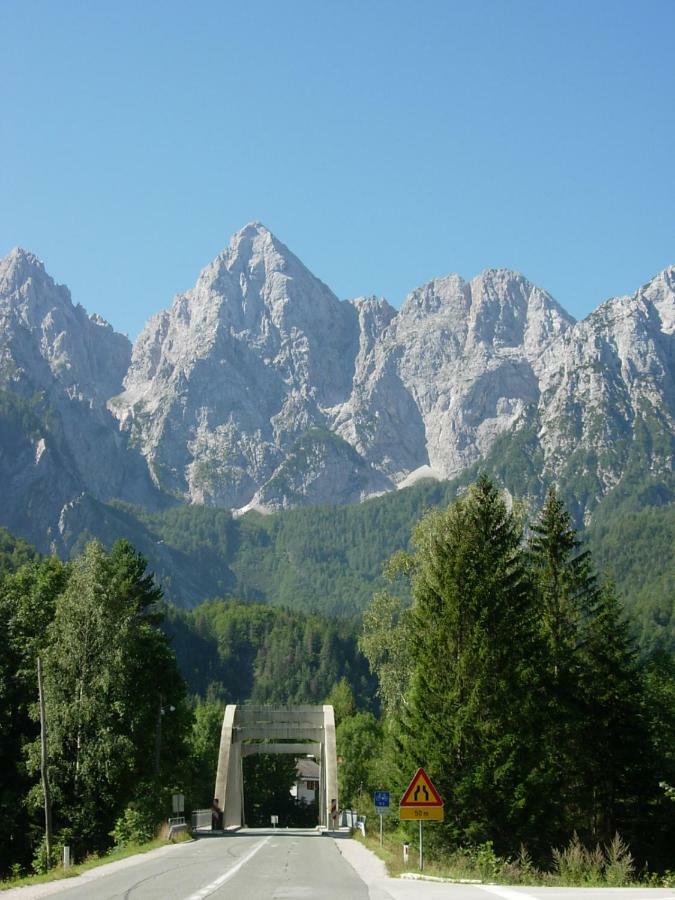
(421, 801)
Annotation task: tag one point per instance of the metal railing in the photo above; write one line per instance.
(201, 819)
(177, 824)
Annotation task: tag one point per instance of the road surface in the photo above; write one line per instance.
(282, 865)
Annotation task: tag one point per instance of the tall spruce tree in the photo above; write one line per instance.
(471, 716)
(620, 783)
(567, 598)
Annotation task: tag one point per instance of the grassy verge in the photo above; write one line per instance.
(91, 862)
(573, 866)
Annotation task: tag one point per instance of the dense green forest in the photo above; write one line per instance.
(329, 560)
(488, 651)
(135, 692)
(109, 674)
(236, 652)
(513, 678)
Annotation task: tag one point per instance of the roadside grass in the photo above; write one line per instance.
(573, 865)
(92, 861)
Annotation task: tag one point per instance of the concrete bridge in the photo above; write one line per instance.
(298, 730)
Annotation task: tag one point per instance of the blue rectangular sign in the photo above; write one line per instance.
(381, 799)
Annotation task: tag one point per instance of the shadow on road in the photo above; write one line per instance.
(272, 832)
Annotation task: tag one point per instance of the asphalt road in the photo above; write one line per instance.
(247, 865)
(284, 865)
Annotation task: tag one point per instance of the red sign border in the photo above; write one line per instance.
(405, 801)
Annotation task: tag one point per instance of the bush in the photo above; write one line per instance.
(134, 826)
(619, 864)
(576, 865)
(60, 840)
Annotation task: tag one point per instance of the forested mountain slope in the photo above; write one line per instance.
(328, 559)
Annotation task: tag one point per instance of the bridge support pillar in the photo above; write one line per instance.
(286, 727)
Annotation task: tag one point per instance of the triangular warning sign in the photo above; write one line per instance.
(421, 792)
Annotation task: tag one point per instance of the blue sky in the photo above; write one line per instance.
(384, 142)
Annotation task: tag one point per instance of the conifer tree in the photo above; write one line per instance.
(567, 598)
(619, 783)
(471, 709)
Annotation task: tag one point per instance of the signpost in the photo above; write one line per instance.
(274, 820)
(381, 801)
(421, 802)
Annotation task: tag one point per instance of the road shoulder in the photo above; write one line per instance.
(37, 891)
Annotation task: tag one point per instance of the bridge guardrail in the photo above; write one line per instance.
(201, 819)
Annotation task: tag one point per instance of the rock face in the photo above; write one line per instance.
(58, 368)
(607, 393)
(259, 388)
(257, 356)
(456, 367)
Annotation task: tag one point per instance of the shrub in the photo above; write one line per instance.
(577, 865)
(619, 865)
(134, 826)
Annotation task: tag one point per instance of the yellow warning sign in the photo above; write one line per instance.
(421, 814)
(421, 801)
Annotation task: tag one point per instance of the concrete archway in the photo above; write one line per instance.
(300, 730)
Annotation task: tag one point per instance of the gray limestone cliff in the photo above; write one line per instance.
(259, 388)
(58, 368)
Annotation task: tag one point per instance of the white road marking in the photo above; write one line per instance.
(506, 893)
(210, 888)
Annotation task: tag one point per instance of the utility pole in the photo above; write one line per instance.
(43, 766)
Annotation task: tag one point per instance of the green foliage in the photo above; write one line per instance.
(108, 669)
(269, 779)
(470, 714)
(14, 553)
(204, 745)
(619, 864)
(524, 698)
(341, 698)
(27, 601)
(329, 559)
(359, 745)
(321, 559)
(617, 768)
(576, 865)
(250, 651)
(636, 547)
(134, 826)
(567, 599)
(386, 644)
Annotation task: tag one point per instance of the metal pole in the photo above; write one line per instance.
(381, 829)
(421, 851)
(43, 766)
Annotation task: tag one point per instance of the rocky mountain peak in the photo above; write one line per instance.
(17, 266)
(660, 291)
(27, 290)
(259, 386)
(44, 337)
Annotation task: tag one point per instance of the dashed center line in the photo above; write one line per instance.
(214, 885)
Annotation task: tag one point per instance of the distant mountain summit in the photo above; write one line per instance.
(259, 388)
(58, 442)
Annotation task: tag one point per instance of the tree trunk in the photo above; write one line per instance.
(43, 766)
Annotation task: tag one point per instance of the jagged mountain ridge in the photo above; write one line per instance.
(259, 387)
(58, 369)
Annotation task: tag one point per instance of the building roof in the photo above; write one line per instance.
(307, 768)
